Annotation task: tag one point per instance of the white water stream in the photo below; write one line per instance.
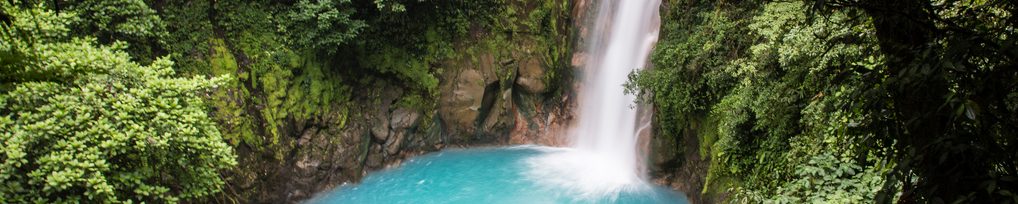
(604, 158)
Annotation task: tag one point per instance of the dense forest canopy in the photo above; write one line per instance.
(844, 101)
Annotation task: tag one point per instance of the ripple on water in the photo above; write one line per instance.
(491, 175)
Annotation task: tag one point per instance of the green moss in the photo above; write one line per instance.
(304, 96)
(222, 61)
(541, 26)
(279, 94)
(314, 92)
(228, 100)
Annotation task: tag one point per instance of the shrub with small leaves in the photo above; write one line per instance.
(83, 123)
(321, 24)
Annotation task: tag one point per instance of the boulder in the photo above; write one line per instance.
(460, 104)
(499, 118)
(531, 76)
(380, 128)
(393, 145)
(380, 119)
(403, 120)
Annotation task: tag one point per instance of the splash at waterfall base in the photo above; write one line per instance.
(496, 175)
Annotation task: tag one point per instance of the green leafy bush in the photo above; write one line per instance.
(92, 126)
(130, 21)
(321, 24)
(824, 179)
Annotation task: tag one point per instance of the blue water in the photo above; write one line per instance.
(488, 175)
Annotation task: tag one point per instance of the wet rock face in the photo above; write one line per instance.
(499, 108)
(531, 77)
(323, 156)
(387, 95)
(474, 99)
(462, 101)
(381, 130)
(402, 122)
(677, 163)
(403, 118)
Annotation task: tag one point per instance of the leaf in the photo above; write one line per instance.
(971, 109)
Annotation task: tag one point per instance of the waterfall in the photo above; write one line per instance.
(604, 157)
(624, 36)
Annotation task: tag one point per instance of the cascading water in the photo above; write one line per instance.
(602, 166)
(605, 159)
(607, 118)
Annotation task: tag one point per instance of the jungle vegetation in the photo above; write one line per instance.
(843, 101)
(117, 101)
(820, 101)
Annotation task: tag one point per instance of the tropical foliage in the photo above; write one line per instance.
(146, 101)
(843, 101)
(819, 101)
(81, 122)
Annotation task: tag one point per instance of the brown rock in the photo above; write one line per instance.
(403, 119)
(380, 128)
(393, 145)
(579, 60)
(459, 108)
(531, 76)
(498, 117)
